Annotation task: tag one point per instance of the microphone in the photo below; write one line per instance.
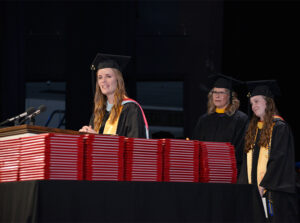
(40, 109)
(29, 111)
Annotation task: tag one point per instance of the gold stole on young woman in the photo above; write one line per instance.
(111, 127)
(263, 159)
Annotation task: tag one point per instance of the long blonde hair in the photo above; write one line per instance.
(265, 136)
(230, 109)
(100, 101)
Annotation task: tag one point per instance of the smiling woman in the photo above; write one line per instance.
(258, 104)
(114, 113)
(107, 81)
(269, 160)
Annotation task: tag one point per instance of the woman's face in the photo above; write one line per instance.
(220, 97)
(107, 81)
(259, 105)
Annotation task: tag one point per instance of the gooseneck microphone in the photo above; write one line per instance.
(31, 117)
(29, 111)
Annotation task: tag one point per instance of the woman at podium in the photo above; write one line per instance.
(114, 113)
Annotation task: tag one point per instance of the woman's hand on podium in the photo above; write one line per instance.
(87, 129)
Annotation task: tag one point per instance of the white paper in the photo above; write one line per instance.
(264, 201)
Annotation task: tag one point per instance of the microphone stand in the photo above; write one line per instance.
(32, 120)
(4, 122)
(16, 122)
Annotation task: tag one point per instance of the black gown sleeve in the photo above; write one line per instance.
(91, 123)
(223, 128)
(280, 174)
(198, 130)
(131, 122)
(239, 138)
(243, 176)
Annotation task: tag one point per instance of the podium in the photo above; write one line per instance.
(122, 201)
(107, 201)
(30, 130)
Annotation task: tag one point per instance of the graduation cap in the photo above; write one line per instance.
(269, 88)
(224, 81)
(110, 61)
(102, 61)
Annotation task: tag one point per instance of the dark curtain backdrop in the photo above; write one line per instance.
(12, 55)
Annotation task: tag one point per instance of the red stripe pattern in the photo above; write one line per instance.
(104, 157)
(114, 158)
(143, 160)
(181, 160)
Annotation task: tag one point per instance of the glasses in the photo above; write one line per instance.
(219, 93)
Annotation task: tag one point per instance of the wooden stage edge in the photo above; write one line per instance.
(32, 129)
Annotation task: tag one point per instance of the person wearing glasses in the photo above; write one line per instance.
(223, 122)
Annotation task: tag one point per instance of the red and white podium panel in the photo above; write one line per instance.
(47, 156)
(181, 160)
(104, 157)
(9, 160)
(59, 156)
(217, 163)
(51, 156)
(143, 160)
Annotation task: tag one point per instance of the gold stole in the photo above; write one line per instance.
(111, 128)
(220, 110)
(263, 158)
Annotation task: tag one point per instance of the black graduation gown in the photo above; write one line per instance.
(131, 122)
(220, 127)
(280, 176)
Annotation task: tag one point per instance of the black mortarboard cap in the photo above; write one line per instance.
(224, 81)
(110, 61)
(267, 88)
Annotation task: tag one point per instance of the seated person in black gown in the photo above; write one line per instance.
(223, 122)
(269, 160)
(114, 113)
